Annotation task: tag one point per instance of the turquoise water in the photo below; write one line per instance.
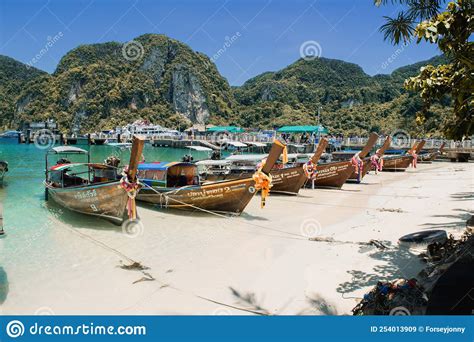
(22, 193)
(29, 220)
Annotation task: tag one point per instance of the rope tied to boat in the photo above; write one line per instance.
(131, 188)
(310, 169)
(358, 164)
(263, 182)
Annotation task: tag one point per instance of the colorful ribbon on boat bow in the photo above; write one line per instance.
(376, 162)
(132, 190)
(263, 182)
(284, 155)
(358, 166)
(415, 157)
(310, 170)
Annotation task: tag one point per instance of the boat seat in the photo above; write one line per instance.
(73, 180)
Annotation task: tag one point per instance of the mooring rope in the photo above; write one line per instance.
(183, 203)
(224, 216)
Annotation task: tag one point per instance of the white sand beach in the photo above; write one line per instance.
(262, 261)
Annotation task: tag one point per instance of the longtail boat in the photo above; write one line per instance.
(93, 188)
(286, 179)
(335, 174)
(402, 161)
(177, 185)
(289, 180)
(361, 162)
(429, 156)
(376, 161)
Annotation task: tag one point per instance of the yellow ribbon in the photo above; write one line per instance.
(263, 182)
(284, 155)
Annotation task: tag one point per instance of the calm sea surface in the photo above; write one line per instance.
(28, 217)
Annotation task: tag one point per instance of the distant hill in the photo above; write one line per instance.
(105, 85)
(14, 76)
(351, 101)
(101, 86)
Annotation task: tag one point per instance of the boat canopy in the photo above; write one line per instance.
(200, 148)
(168, 174)
(236, 143)
(61, 167)
(247, 157)
(302, 129)
(118, 144)
(256, 144)
(259, 157)
(230, 129)
(67, 149)
(211, 162)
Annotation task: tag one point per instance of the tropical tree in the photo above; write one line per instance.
(451, 30)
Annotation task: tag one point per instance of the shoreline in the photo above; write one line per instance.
(260, 262)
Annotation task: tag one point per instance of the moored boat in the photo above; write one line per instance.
(287, 178)
(361, 162)
(429, 156)
(401, 162)
(93, 188)
(376, 161)
(177, 185)
(335, 174)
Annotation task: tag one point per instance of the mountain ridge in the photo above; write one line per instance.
(98, 86)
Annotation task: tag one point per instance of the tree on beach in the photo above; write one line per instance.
(451, 30)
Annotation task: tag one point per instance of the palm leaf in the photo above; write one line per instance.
(423, 9)
(397, 29)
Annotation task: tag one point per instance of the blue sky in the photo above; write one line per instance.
(269, 32)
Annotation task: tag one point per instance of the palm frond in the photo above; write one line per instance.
(423, 9)
(397, 29)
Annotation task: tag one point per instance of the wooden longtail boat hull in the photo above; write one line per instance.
(285, 181)
(332, 175)
(226, 196)
(288, 181)
(106, 200)
(397, 163)
(428, 157)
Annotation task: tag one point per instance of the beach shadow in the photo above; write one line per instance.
(248, 300)
(460, 222)
(463, 196)
(4, 285)
(78, 220)
(318, 306)
(187, 213)
(248, 217)
(398, 263)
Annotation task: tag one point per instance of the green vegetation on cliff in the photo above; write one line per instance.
(101, 86)
(153, 77)
(351, 101)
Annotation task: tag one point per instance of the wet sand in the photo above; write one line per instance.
(261, 262)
